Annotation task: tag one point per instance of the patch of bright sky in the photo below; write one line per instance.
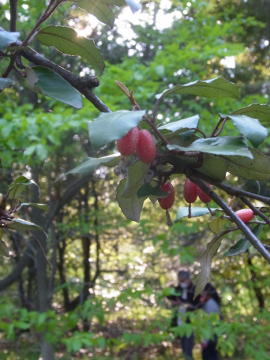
(127, 18)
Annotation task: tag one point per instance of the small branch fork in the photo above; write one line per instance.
(83, 84)
(241, 225)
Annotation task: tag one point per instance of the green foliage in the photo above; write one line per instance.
(213, 88)
(66, 40)
(7, 38)
(53, 85)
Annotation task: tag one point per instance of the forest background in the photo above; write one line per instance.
(100, 290)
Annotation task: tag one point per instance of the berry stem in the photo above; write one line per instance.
(189, 210)
(155, 130)
(168, 217)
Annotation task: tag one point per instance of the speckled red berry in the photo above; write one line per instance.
(127, 145)
(167, 202)
(190, 191)
(203, 196)
(146, 147)
(245, 215)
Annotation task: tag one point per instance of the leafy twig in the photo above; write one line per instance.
(241, 225)
(219, 127)
(255, 210)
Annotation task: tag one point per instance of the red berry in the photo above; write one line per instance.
(190, 191)
(127, 145)
(203, 196)
(245, 215)
(167, 202)
(146, 147)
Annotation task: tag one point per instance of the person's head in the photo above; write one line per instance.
(183, 278)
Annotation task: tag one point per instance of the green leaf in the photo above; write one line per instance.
(7, 38)
(134, 5)
(53, 85)
(213, 88)
(223, 145)
(195, 211)
(131, 206)
(148, 190)
(100, 9)
(4, 249)
(249, 127)
(135, 178)
(257, 111)
(112, 126)
(240, 247)
(4, 83)
(217, 225)
(66, 40)
(214, 166)
(35, 205)
(257, 168)
(243, 244)
(21, 224)
(205, 261)
(18, 187)
(182, 125)
(91, 164)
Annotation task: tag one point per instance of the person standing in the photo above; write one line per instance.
(210, 302)
(182, 302)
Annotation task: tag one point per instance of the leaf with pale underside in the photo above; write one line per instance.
(220, 145)
(195, 211)
(181, 125)
(112, 126)
(213, 88)
(250, 127)
(21, 224)
(7, 38)
(91, 164)
(257, 111)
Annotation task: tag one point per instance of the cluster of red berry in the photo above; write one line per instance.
(138, 142)
(141, 143)
(191, 191)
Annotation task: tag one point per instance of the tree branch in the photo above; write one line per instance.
(241, 225)
(83, 84)
(13, 14)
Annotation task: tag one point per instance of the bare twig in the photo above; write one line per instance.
(156, 131)
(241, 225)
(13, 14)
(255, 210)
(47, 13)
(220, 126)
(238, 192)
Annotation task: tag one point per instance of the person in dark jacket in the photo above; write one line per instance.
(183, 301)
(210, 302)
